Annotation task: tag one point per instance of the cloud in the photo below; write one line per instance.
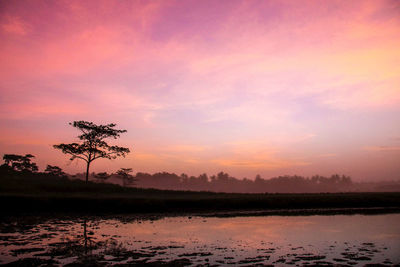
(382, 148)
(185, 148)
(255, 155)
(327, 155)
(40, 110)
(346, 71)
(15, 26)
(260, 165)
(254, 84)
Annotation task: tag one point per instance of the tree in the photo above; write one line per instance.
(102, 176)
(20, 163)
(55, 171)
(124, 174)
(92, 145)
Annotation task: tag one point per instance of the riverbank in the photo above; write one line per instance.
(280, 204)
(45, 194)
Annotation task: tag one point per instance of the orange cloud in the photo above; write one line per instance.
(194, 82)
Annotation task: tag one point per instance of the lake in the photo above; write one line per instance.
(354, 240)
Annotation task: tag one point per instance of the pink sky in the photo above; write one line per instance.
(245, 87)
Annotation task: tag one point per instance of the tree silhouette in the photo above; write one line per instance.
(20, 163)
(124, 174)
(55, 171)
(92, 145)
(102, 176)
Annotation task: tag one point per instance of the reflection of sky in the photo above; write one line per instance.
(314, 233)
(275, 229)
(245, 86)
(239, 237)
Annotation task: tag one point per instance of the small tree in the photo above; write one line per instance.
(55, 171)
(92, 145)
(20, 163)
(124, 174)
(102, 176)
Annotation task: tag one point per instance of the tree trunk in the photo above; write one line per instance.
(87, 172)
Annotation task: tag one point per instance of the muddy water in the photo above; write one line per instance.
(352, 240)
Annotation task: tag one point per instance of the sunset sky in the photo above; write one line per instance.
(245, 87)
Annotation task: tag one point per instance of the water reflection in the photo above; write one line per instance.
(277, 240)
(86, 239)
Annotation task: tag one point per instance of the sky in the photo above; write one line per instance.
(245, 87)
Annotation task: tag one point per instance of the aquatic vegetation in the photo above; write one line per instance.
(120, 241)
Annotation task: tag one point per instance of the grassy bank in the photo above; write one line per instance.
(21, 193)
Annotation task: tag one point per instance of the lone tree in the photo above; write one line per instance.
(92, 145)
(20, 163)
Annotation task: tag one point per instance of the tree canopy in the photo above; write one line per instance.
(102, 176)
(55, 171)
(92, 145)
(20, 163)
(124, 174)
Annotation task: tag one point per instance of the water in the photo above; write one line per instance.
(277, 240)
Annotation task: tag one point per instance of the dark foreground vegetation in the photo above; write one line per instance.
(47, 192)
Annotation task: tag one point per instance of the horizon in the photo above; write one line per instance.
(245, 87)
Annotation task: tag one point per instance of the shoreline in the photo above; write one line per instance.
(217, 206)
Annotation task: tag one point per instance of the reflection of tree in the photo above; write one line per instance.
(86, 238)
(91, 252)
(81, 246)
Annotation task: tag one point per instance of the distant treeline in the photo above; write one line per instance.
(223, 182)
